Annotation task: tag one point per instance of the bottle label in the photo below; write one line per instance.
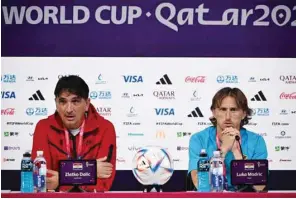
(203, 165)
(217, 180)
(27, 165)
(39, 181)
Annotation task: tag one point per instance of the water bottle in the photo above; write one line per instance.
(203, 168)
(39, 171)
(216, 173)
(27, 185)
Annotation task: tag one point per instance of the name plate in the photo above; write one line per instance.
(249, 172)
(78, 172)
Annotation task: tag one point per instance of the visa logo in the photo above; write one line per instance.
(132, 79)
(164, 111)
(7, 94)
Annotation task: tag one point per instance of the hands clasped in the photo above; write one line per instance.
(228, 139)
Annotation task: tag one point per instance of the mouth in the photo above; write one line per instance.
(70, 117)
(228, 124)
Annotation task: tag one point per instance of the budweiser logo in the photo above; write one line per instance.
(288, 96)
(8, 111)
(197, 79)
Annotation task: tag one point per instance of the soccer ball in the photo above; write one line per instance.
(152, 165)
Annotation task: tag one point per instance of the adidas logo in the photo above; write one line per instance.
(259, 97)
(37, 96)
(164, 80)
(196, 113)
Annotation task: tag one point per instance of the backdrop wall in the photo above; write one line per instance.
(151, 101)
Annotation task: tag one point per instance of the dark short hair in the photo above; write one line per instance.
(72, 84)
(241, 102)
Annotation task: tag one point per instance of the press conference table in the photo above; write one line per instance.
(283, 194)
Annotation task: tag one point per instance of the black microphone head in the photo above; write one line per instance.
(237, 137)
(110, 153)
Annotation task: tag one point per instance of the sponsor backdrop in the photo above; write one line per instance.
(152, 102)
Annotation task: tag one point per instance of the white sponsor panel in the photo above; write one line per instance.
(152, 101)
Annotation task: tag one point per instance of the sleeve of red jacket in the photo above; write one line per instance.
(40, 143)
(104, 184)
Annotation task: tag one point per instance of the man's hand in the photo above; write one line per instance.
(228, 140)
(104, 169)
(194, 177)
(52, 182)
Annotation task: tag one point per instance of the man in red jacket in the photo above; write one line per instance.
(75, 131)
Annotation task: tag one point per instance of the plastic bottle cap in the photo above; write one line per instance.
(217, 153)
(203, 151)
(27, 154)
(39, 153)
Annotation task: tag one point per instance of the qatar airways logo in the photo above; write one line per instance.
(291, 96)
(288, 79)
(196, 79)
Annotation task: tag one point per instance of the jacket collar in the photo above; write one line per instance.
(93, 120)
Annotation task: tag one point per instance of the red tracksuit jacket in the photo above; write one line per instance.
(99, 134)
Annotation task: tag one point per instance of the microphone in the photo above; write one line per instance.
(243, 188)
(240, 147)
(110, 153)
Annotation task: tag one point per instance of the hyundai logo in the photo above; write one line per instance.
(283, 133)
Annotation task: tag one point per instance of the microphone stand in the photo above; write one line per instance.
(244, 188)
(240, 146)
(76, 189)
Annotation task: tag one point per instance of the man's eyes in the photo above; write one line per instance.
(73, 101)
(225, 109)
(62, 102)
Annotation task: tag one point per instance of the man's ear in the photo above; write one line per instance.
(244, 115)
(214, 113)
(56, 103)
(87, 104)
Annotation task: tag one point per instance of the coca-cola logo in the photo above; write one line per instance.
(8, 111)
(288, 95)
(197, 79)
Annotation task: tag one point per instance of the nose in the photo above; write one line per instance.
(69, 108)
(227, 115)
